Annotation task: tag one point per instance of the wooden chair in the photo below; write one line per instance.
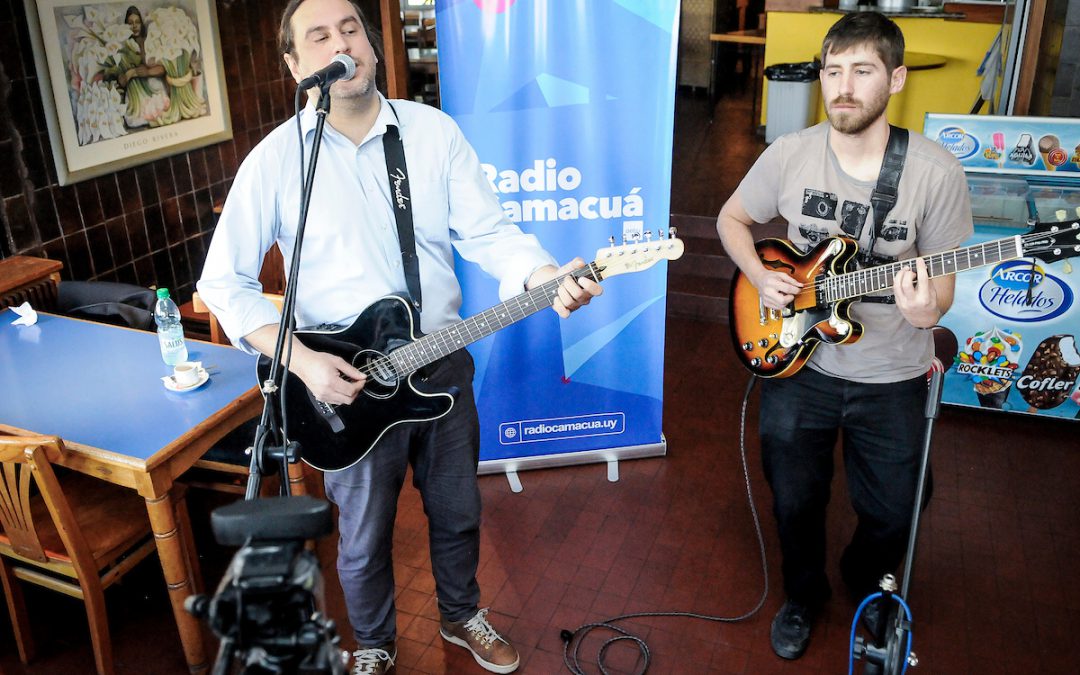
(77, 536)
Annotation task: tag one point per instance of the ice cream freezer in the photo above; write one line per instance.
(1016, 323)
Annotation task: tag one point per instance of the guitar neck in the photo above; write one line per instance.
(432, 347)
(873, 279)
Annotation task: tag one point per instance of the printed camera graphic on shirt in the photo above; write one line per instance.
(853, 218)
(895, 230)
(818, 204)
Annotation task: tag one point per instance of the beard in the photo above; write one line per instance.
(854, 122)
(361, 85)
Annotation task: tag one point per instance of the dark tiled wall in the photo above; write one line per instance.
(149, 225)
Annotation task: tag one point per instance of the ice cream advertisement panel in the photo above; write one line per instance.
(1042, 146)
(1017, 328)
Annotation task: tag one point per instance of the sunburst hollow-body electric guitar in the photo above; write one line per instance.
(777, 343)
(385, 343)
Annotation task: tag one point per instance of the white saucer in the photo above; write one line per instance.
(171, 384)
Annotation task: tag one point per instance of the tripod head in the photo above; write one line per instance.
(266, 609)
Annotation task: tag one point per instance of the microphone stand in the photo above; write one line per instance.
(270, 441)
(893, 631)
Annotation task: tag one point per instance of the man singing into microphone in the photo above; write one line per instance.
(820, 180)
(352, 256)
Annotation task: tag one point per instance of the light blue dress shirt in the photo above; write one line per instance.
(350, 255)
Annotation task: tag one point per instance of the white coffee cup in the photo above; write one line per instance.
(186, 373)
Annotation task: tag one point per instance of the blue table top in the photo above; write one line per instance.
(100, 386)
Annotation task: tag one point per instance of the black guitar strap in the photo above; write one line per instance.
(401, 200)
(883, 198)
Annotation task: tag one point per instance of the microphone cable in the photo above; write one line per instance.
(572, 640)
(855, 622)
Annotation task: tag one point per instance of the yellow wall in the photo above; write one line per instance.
(953, 88)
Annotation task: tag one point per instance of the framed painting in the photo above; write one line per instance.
(125, 83)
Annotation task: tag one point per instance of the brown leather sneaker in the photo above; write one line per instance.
(490, 649)
(374, 660)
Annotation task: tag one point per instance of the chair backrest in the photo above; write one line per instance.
(216, 334)
(27, 460)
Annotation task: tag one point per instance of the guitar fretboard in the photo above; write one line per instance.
(432, 347)
(871, 280)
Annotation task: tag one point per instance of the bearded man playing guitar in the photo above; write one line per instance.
(354, 254)
(820, 180)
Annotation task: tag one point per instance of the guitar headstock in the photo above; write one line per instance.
(1051, 242)
(638, 255)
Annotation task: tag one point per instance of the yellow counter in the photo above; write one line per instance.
(952, 88)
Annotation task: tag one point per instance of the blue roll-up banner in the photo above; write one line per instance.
(570, 106)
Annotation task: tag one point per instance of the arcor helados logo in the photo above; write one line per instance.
(958, 142)
(1021, 291)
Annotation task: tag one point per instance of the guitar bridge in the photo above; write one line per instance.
(328, 412)
(766, 315)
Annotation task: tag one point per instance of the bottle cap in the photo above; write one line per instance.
(162, 293)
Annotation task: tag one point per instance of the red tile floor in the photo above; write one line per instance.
(993, 590)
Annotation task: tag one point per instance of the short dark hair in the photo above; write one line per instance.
(866, 28)
(286, 44)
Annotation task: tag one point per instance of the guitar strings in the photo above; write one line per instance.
(547, 290)
(855, 276)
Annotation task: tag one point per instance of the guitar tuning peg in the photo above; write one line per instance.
(624, 238)
(671, 232)
(611, 241)
(648, 235)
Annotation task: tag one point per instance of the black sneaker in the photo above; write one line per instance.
(791, 630)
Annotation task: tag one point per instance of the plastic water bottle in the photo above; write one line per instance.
(170, 332)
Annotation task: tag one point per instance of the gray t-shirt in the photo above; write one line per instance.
(799, 179)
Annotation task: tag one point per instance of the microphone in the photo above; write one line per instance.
(342, 67)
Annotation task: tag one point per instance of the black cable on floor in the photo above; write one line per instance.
(572, 639)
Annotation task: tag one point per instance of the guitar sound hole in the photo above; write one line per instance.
(382, 381)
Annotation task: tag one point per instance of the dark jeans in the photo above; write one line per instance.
(443, 454)
(884, 426)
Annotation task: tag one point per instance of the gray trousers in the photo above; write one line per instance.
(443, 454)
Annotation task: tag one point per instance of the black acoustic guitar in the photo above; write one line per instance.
(385, 343)
(777, 343)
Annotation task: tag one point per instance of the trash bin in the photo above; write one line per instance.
(793, 94)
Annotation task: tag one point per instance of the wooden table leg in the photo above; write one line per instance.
(183, 521)
(171, 552)
(297, 485)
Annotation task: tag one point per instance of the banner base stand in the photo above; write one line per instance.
(515, 482)
(610, 456)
